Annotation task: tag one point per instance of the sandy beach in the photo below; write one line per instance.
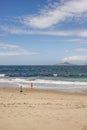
(42, 110)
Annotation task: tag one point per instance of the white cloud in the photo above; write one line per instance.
(81, 49)
(15, 30)
(76, 50)
(75, 58)
(23, 31)
(57, 13)
(49, 17)
(82, 33)
(13, 50)
(75, 40)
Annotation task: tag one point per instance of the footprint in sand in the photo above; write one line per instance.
(84, 128)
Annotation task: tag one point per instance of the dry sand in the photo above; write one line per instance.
(42, 110)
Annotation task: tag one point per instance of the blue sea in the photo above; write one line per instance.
(66, 78)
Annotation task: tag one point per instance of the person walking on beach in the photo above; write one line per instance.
(21, 89)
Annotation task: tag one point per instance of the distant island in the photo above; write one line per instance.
(69, 64)
(65, 63)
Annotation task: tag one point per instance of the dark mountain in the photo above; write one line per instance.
(65, 63)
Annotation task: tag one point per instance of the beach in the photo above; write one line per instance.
(36, 109)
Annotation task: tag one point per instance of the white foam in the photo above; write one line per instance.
(2, 75)
(60, 82)
(42, 83)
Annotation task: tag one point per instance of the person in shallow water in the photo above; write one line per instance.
(31, 85)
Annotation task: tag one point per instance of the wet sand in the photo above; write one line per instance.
(42, 110)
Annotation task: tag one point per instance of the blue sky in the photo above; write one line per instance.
(43, 32)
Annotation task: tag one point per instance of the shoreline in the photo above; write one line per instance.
(54, 91)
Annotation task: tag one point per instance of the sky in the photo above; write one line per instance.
(43, 32)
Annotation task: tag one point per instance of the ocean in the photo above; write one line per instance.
(65, 78)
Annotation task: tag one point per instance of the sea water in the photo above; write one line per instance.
(66, 78)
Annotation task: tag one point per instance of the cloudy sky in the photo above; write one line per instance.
(37, 32)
